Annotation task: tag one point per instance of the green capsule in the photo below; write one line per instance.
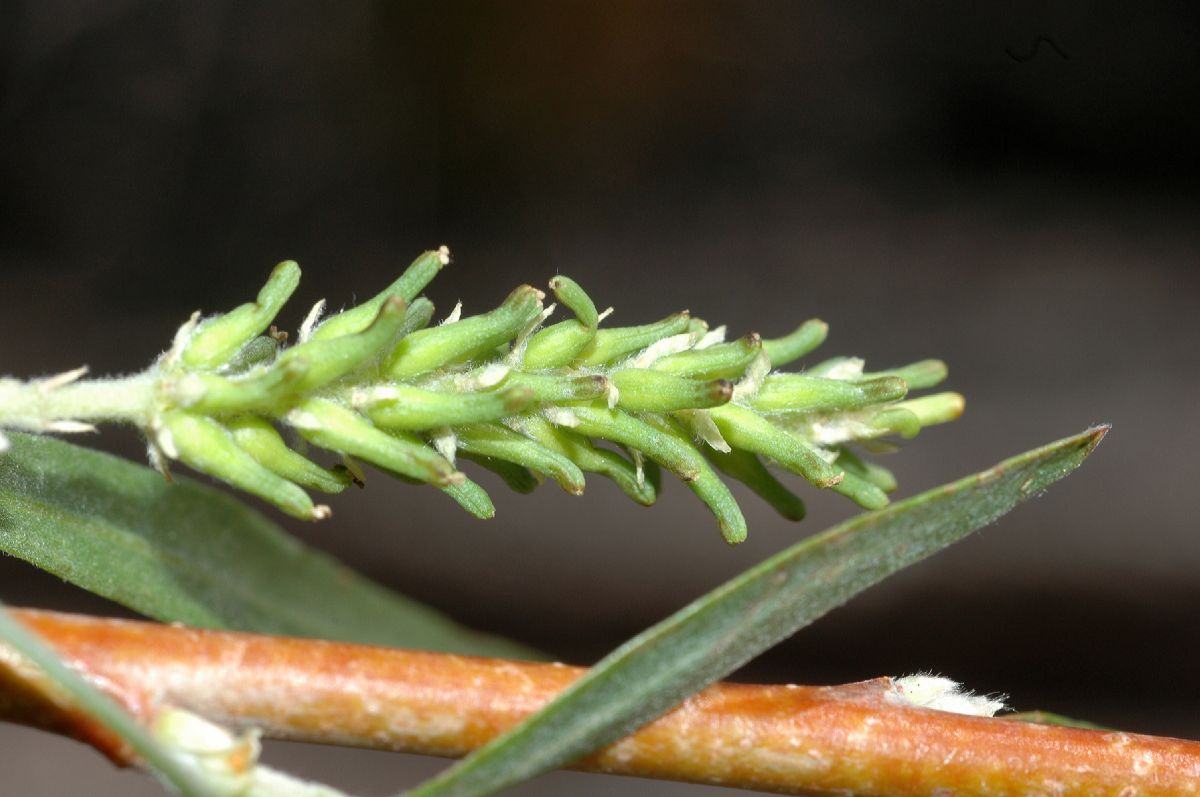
(745, 429)
(556, 388)
(298, 370)
(259, 351)
(920, 375)
(720, 361)
(591, 459)
(619, 427)
(492, 440)
(861, 491)
(894, 420)
(418, 316)
(807, 337)
(652, 474)
(336, 428)
(332, 358)
(556, 345)
(567, 291)
(261, 440)
(208, 447)
(675, 452)
(749, 470)
(877, 475)
(804, 393)
(405, 407)
(518, 479)
(433, 348)
(643, 390)
(613, 344)
(935, 409)
(216, 340)
(707, 486)
(411, 282)
(259, 390)
(473, 498)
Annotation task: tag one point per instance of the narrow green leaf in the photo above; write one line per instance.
(184, 552)
(726, 628)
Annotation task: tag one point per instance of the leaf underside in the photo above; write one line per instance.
(184, 552)
(724, 629)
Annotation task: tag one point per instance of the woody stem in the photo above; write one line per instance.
(857, 738)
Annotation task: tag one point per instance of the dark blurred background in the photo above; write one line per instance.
(1013, 189)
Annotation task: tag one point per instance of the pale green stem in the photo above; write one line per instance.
(47, 405)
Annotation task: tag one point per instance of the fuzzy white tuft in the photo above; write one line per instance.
(310, 321)
(224, 762)
(925, 690)
(711, 338)
(612, 394)
(52, 383)
(366, 396)
(639, 462)
(561, 416)
(703, 428)
(660, 348)
(445, 441)
(68, 426)
(850, 368)
(455, 314)
(752, 381)
(303, 420)
(180, 341)
(488, 376)
(836, 430)
(516, 351)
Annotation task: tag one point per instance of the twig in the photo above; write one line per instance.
(860, 738)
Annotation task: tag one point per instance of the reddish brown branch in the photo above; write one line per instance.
(789, 739)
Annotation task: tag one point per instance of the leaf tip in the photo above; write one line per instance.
(1095, 434)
